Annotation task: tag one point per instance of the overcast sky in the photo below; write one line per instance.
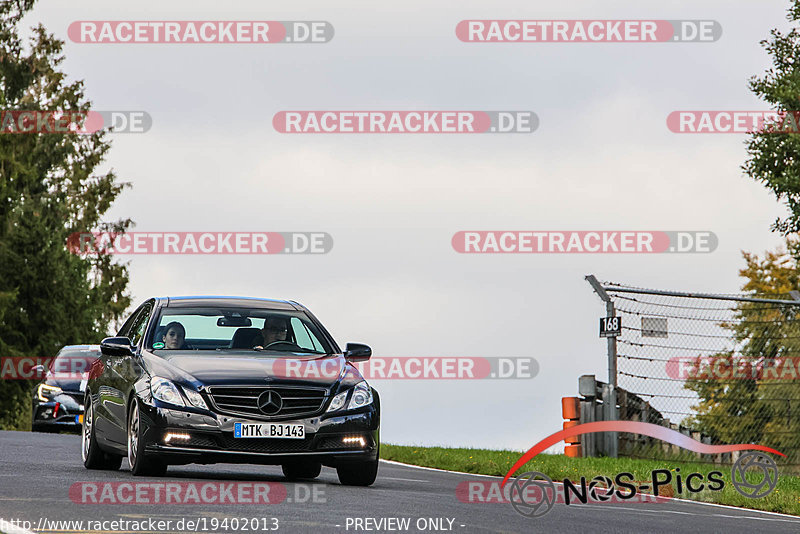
(602, 158)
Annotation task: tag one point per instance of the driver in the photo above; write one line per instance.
(275, 329)
(174, 336)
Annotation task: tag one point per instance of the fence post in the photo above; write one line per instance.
(610, 414)
(626, 443)
(610, 399)
(686, 432)
(587, 388)
(708, 457)
(695, 435)
(674, 449)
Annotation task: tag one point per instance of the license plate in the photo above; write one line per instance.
(269, 430)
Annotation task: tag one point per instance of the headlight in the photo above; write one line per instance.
(195, 398)
(338, 401)
(166, 391)
(46, 393)
(362, 396)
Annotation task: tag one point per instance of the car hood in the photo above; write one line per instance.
(71, 384)
(241, 368)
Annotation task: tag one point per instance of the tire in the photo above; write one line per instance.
(297, 470)
(141, 465)
(358, 474)
(91, 454)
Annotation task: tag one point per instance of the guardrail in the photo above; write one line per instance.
(594, 404)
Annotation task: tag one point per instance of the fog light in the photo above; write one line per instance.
(355, 440)
(175, 436)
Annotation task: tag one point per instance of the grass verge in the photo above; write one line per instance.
(784, 499)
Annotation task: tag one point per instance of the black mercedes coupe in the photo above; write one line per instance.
(212, 379)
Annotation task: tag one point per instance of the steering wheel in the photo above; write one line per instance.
(289, 344)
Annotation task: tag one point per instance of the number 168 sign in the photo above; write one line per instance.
(610, 326)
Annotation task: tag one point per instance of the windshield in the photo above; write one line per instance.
(73, 362)
(219, 329)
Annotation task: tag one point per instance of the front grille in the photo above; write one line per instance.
(227, 442)
(265, 445)
(196, 440)
(243, 400)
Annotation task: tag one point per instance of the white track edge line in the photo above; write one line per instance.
(670, 498)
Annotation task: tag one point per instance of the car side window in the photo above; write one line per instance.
(126, 328)
(140, 324)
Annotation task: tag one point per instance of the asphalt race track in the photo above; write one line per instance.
(37, 470)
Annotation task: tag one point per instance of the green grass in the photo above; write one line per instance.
(784, 499)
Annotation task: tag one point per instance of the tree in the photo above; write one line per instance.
(775, 333)
(49, 189)
(762, 409)
(765, 410)
(774, 158)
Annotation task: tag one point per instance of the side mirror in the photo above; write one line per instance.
(39, 371)
(356, 352)
(116, 346)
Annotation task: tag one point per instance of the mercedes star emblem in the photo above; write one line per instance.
(270, 403)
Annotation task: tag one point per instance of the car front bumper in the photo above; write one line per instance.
(211, 438)
(68, 416)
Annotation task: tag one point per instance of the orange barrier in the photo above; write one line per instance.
(572, 439)
(571, 411)
(570, 408)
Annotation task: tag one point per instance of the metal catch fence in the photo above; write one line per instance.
(724, 366)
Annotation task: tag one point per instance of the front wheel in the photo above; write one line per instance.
(92, 456)
(358, 473)
(141, 465)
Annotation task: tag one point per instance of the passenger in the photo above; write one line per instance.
(275, 329)
(174, 336)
